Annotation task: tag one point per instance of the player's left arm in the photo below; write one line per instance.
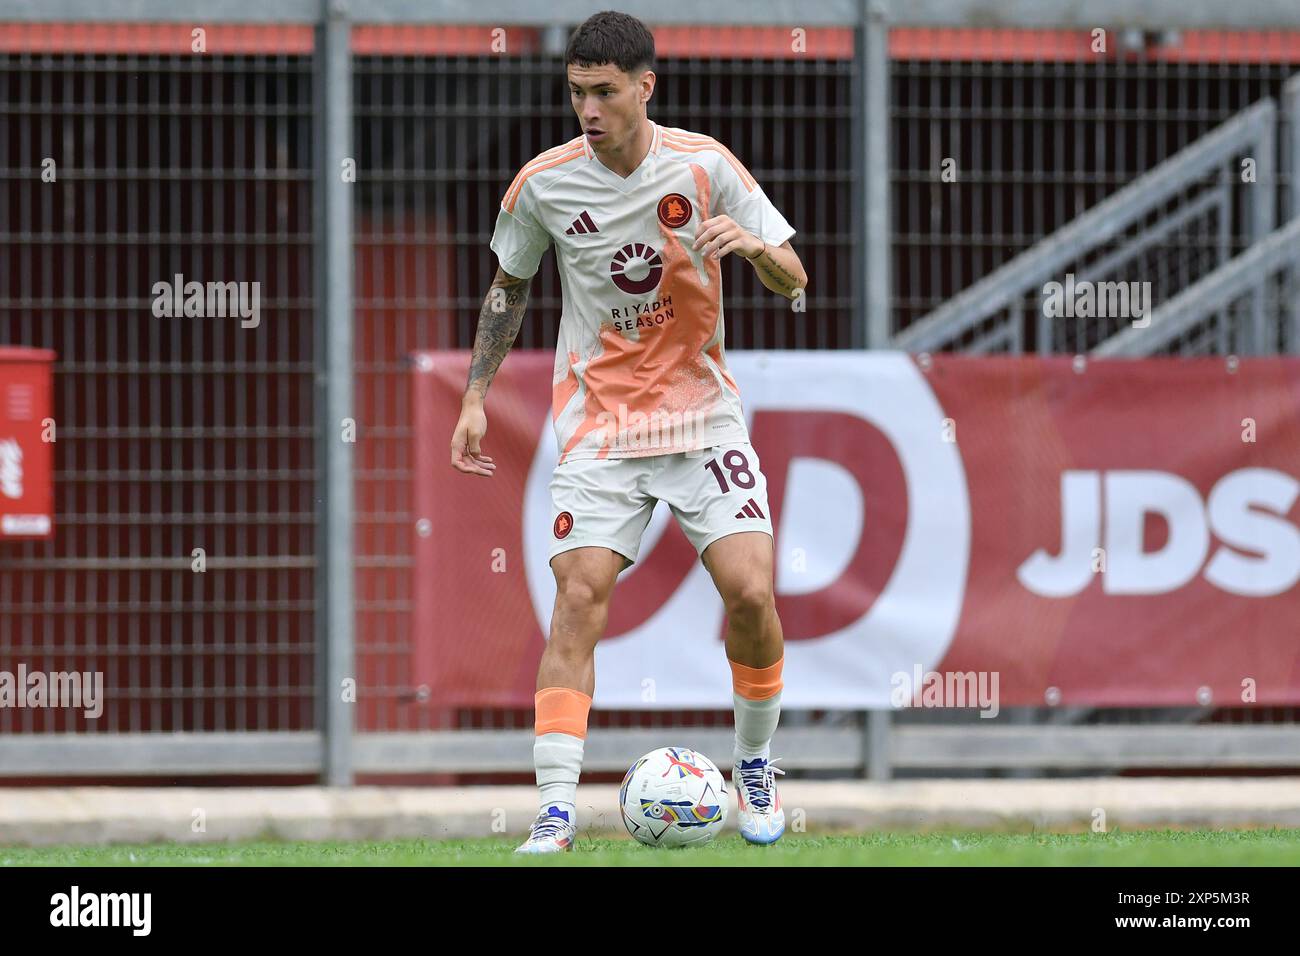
(778, 267)
(749, 225)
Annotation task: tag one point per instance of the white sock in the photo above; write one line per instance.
(756, 722)
(558, 759)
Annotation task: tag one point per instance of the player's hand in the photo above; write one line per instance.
(721, 235)
(465, 453)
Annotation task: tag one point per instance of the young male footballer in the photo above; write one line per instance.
(644, 408)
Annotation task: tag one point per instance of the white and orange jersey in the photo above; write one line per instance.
(639, 366)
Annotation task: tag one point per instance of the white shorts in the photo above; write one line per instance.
(607, 502)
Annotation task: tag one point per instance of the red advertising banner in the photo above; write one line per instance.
(1121, 533)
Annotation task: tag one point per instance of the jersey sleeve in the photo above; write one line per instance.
(519, 239)
(743, 200)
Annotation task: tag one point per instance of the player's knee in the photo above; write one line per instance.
(750, 601)
(580, 594)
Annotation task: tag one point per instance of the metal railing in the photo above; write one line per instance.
(1108, 242)
(1222, 313)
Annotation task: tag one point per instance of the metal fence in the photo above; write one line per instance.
(1033, 146)
(181, 434)
(179, 440)
(1180, 223)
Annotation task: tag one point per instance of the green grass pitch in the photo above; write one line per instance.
(1272, 847)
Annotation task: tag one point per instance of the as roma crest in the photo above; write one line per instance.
(674, 210)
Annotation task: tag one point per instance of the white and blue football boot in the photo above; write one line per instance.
(760, 817)
(552, 832)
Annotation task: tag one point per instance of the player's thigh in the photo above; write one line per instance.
(716, 495)
(741, 566)
(585, 576)
(599, 503)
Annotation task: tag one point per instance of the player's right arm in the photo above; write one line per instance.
(498, 325)
(519, 241)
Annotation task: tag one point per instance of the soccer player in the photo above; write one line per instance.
(644, 408)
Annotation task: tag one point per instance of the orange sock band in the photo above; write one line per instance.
(756, 683)
(562, 710)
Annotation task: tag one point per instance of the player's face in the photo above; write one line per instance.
(610, 103)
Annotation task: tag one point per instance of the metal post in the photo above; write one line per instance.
(335, 610)
(1263, 205)
(873, 50)
(879, 757)
(857, 317)
(1291, 162)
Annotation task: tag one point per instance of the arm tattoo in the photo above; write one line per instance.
(498, 324)
(784, 279)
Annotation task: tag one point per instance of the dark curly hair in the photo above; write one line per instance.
(612, 37)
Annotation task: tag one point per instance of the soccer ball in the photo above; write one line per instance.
(673, 797)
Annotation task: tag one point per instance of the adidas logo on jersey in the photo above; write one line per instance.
(582, 225)
(751, 510)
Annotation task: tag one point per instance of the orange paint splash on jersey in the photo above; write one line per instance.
(563, 390)
(664, 369)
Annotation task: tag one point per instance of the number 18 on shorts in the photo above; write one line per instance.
(713, 492)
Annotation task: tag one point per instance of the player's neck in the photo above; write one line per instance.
(626, 160)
